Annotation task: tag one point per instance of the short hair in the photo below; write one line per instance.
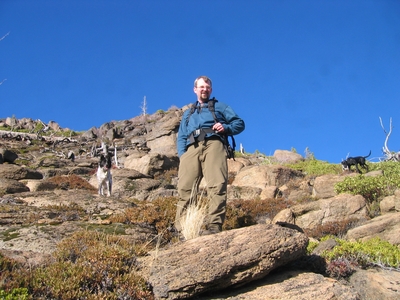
(205, 78)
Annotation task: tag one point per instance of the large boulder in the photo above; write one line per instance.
(17, 172)
(263, 176)
(390, 203)
(285, 156)
(292, 285)
(324, 186)
(332, 210)
(230, 258)
(165, 145)
(376, 284)
(7, 156)
(244, 193)
(11, 186)
(162, 138)
(386, 227)
(152, 163)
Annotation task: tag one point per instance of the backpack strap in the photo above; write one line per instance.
(191, 112)
(230, 150)
(211, 107)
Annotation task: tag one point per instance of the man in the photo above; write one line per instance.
(202, 153)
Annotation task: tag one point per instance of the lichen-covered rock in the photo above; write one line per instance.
(229, 258)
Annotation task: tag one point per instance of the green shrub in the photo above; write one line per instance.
(39, 127)
(371, 188)
(390, 168)
(68, 133)
(372, 252)
(311, 246)
(315, 167)
(15, 294)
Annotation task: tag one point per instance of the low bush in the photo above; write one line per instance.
(167, 176)
(15, 294)
(337, 229)
(373, 188)
(241, 213)
(87, 265)
(14, 279)
(313, 167)
(91, 265)
(340, 268)
(71, 182)
(374, 252)
(160, 213)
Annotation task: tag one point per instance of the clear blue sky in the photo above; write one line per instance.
(314, 74)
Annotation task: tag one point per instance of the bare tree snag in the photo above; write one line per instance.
(2, 38)
(389, 155)
(144, 106)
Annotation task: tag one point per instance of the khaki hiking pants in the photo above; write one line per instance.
(205, 159)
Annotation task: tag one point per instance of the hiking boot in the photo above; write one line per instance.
(212, 229)
(181, 238)
(176, 233)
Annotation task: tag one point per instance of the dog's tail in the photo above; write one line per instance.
(368, 154)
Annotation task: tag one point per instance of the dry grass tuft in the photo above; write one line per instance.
(192, 222)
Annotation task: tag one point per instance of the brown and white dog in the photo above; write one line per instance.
(104, 176)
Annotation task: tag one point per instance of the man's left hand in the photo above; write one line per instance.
(218, 127)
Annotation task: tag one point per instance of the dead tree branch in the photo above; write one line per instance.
(389, 155)
(4, 36)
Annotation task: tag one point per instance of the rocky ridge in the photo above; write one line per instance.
(244, 263)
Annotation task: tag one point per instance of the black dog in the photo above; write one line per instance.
(354, 161)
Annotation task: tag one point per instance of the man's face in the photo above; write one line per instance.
(202, 90)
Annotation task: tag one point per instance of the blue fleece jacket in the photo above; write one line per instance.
(203, 118)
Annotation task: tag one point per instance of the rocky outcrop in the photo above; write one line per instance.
(17, 172)
(264, 176)
(229, 258)
(386, 227)
(323, 211)
(292, 285)
(287, 157)
(324, 186)
(390, 203)
(7, 156)
(376, 284)
(252, 262)
(11, 186)
(152, 164)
